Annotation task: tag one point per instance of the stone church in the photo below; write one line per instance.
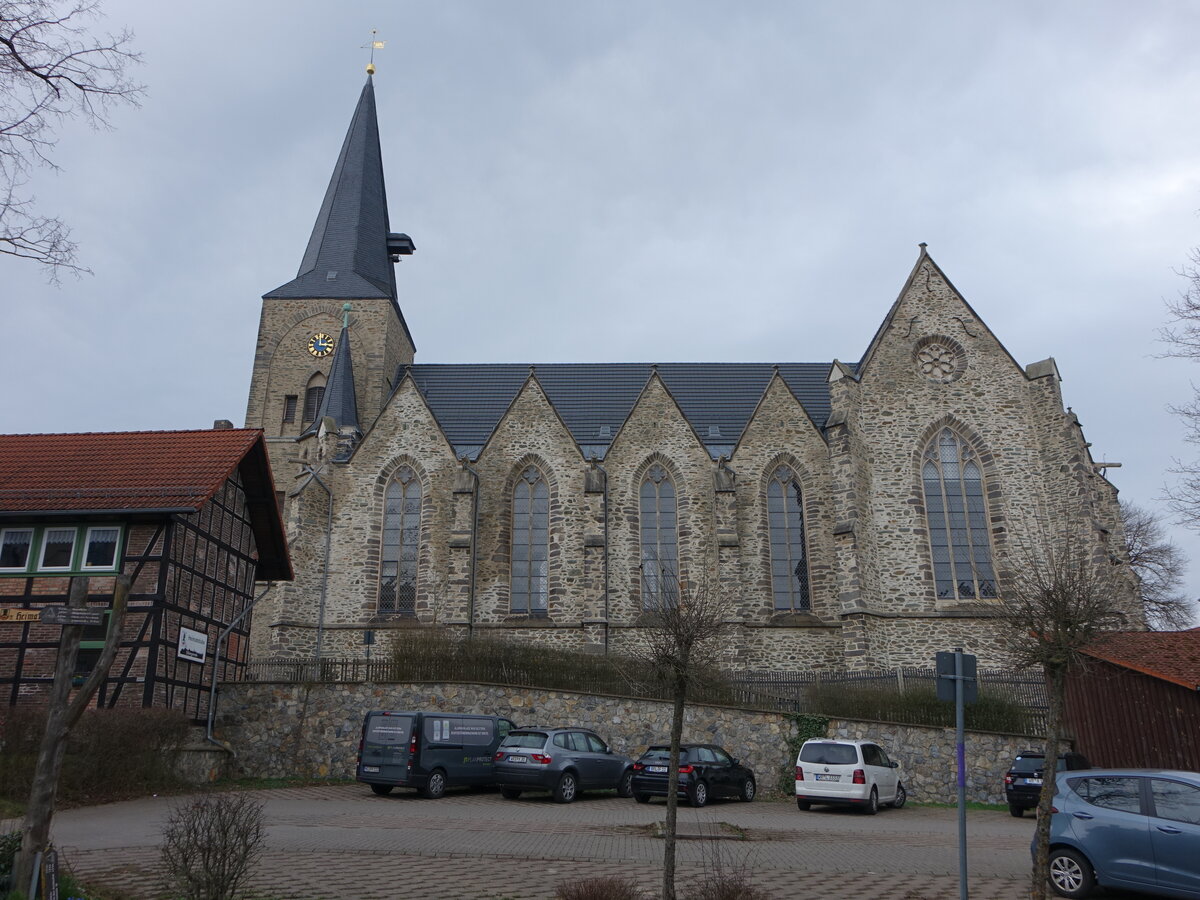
(849, 514)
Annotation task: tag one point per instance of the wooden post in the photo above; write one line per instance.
(61, 716)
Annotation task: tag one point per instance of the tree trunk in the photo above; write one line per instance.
(673, 791)
(1056, 684)
(60, 717)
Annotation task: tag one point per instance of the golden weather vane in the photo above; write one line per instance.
(373, 45)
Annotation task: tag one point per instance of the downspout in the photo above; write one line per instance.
(212, 692)
(474, 549)
(325, 568)
(604, 502)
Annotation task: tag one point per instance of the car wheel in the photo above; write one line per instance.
(565, 790)
(1016, 812)
(1071, 875)
(698, 795)
(510, 793)
(803, 805)
(435, 786)
(382, 789)
(872, 806)
(901, 796)
(642, 798)
(625, 785)
(749, 789)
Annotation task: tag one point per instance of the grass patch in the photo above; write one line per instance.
(267, 784)
(971, 804)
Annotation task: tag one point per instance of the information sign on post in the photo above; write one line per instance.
(956, 681)
(72, 615)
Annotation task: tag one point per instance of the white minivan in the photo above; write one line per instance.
(851, 773)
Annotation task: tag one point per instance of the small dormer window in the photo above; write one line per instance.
(331, 275)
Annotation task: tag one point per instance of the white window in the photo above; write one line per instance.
(100, 548)
(58, 549)
(14, 548)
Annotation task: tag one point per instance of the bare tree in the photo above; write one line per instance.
(211, 845)
(63, 712)
(1059, 602)
(51, 69)
(1159, 566)
(682, 646)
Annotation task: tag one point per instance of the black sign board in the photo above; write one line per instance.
(50, 875)
(946, 679)
(71, 615)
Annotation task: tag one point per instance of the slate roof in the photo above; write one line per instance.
(594, 399)
(339, 399)
(132, 472)
(1173, 656)
(347, 255)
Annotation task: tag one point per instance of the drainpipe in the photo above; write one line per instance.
(604, 502)
(212, 691)
(313, 476)
(474, 549)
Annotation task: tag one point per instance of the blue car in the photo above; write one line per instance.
(1134, 829)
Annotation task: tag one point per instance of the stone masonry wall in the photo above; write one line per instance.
(283, 730)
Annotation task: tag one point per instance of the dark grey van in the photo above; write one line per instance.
(429, 751)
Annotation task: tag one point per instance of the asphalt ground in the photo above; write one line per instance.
(342, 841)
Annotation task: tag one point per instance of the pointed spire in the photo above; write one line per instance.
(340, 402)
(351, 249)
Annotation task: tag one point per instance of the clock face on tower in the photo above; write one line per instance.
(320, 345)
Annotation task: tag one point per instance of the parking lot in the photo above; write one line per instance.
(342, 841)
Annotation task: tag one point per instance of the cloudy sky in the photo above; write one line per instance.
(636, 181)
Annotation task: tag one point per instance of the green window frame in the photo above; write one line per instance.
(61, 549)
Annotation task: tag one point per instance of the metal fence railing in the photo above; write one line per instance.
(1010, 700)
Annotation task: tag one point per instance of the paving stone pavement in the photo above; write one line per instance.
(341, 841)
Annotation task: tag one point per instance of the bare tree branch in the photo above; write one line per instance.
(1159, 566)
(51, 69)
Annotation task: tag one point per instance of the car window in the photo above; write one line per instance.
(1027, 765)
(579, 742)
(504, 726)
(829, 754)
(871, 755)
(595, 744)
(705, 755)
(722, 757)
(883, 757)
(659, 753)
(561, 740)
(527, 739)
(1176, 801)
(1121, 793)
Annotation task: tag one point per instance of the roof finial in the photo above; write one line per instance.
(373, 45)
(346, 315)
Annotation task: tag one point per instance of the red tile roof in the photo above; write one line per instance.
(1170, 655)
(132, 470)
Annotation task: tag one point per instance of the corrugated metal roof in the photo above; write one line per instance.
(594, 399)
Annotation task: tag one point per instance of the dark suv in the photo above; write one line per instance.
(1023, 780)
(563, 761)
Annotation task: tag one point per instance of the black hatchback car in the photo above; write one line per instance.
(705, 771)
(1023, 780)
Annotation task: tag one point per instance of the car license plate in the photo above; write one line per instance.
(829, 778)
(656, 768)
(371, 768)
(518, 759)
(1033, 781)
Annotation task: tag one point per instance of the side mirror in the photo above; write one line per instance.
(894, 764)
(735, 761)
(608, 750)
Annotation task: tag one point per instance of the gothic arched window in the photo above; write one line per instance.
(401, 537)
(956, 509)
(789, 563)
(530, 543)
(660, 544)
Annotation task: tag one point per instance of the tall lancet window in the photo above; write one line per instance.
(660, 544)
(956, 509)
(789, 562)
(530, 543)
(401, 537)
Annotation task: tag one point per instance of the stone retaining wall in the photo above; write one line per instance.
(283, 730)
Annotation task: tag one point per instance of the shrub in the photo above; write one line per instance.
(210, 845)
(135, 749)
(9, 845)
(606, 888)
(725, 886)
(918, 705)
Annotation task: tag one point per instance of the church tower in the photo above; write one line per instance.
(331, 340)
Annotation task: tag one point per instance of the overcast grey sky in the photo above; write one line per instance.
(636, 181)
